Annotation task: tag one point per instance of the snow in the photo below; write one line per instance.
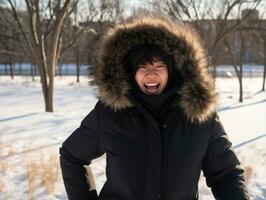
(29, 134)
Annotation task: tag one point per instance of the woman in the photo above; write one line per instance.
(155, 120)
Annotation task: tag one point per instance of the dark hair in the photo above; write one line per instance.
(144, 54)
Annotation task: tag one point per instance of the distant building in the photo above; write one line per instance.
(85, 48)
(253, 29)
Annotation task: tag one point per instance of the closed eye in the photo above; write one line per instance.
(160, 66)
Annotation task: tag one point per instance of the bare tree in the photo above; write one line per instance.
(258, 27)
(104, 11)
(8, 52)
(40, 38)
(263, 36)
(95, 18)
(73, 36)
(200, 12)
(261, 29)
(196, 11)
(236, 44)
(8, 47)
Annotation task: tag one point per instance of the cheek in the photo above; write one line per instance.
(164, 76)
(138, 78)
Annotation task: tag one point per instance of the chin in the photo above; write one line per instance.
(159, 91)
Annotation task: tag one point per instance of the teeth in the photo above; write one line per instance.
(151, 84)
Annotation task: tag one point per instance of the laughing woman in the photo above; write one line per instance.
(155, 120)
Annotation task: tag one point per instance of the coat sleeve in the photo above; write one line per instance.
(82, 146)
(221, 167)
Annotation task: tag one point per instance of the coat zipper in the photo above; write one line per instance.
(142, 191)
(159, 167)
(144, 169)
(145, 154)
(164, 152)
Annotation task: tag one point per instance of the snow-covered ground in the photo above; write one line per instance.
(30, 136)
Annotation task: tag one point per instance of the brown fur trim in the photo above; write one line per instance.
(198, 97)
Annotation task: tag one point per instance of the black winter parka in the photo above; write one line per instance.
(148, 159)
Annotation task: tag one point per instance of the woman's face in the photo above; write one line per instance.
(152, 78)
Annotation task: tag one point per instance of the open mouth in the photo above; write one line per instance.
(151, 86)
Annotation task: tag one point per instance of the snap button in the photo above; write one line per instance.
(164, 125)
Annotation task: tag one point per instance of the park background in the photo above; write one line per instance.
(47, 49)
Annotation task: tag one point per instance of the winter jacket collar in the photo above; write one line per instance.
(156, 105)
(197, 94)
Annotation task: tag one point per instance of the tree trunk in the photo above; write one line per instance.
(35, 70)
(49, 100)
(264, 76)
(6, 73)
(47, 94)
(32, 72)
(242, 51)
(77, 64)
(60, 70)
(214, 55)
(11, 67)
(52, 58)
(264, 71)
(78, 72)
(47, 86)
(20, 69)
(241, 83)
(239, 72)
(11, 71)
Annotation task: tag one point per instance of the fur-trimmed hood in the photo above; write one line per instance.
(198, 96)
